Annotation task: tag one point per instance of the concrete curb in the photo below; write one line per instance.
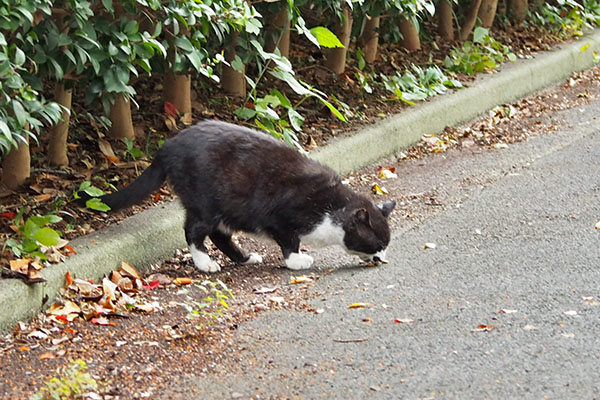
(514, 81)
(152, 236)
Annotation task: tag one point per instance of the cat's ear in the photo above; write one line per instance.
(387, 207)
(361, 216)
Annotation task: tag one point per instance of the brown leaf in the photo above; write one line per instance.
(182, 281)
(46, 356)
(128, 270)
(115, 277)
(359, 305)
(483, 328)
(20, 265)
(68, 278)
(107, 151)
(294, 280)
(42, 198)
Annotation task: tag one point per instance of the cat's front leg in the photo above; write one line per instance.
(202, 260)
(290, 247)
(298, 261)
(195, 233)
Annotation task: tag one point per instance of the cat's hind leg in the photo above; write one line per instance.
(224, 243)
(195, 233)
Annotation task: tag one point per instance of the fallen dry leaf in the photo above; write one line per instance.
(11, 215)
(294, 280)
(20, 265)
(38, 334)
(359, 305)
(129, 270)
(46, 356)
(102, 321)
(483, 328)
(264, 290)
(107, 151)
(386, 173)
(378, 190)
(277, 299)
(182, 281)
(152, 285)
(68, 278)
(42, 198)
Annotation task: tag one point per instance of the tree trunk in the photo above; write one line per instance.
(445, 20)
(370, 38)
(517, 11)
(177, 89)
(16, 166)
(410, 37)
(120, 116)
(57, 149)
(279, 32)
(487, 12)
(233, 82)
(469, 23)
(336, 58)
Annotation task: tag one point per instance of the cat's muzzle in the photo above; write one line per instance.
(374, 259)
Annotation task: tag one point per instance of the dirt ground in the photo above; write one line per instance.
(144, 351)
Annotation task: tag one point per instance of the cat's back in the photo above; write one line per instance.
(225, 144)
(222, 137)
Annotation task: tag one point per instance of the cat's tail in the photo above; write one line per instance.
(151, 179)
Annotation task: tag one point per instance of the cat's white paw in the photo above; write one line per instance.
(202, 261)
(253, 258)
(298, 261)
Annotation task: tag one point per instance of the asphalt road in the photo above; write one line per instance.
(516, 233)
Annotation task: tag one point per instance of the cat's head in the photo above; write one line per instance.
(366, 230)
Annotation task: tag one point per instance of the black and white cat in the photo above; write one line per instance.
(230, 178)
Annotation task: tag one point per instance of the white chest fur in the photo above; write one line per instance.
(326, 233)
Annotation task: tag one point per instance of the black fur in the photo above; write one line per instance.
(230, 176)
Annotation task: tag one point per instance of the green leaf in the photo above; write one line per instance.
(47, 236)
(253, 26)
(94, 191)
(295, 119)
(282, 99)
(194, 58)
(325, 37)
(237, 64)
(20, 112)
(333, 109)
(479, 34)
(43, 220)
(244, 113)
(108, 5)
(97, 204)
(19, 57)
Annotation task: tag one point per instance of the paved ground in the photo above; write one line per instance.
(516, 232)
